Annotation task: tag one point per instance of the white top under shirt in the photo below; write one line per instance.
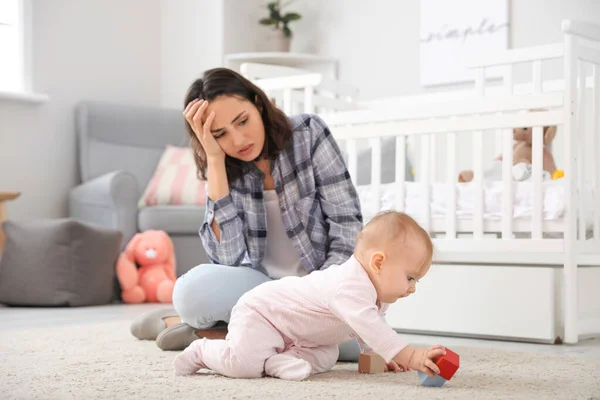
(281, 258)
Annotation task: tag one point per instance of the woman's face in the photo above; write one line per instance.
(237, 127)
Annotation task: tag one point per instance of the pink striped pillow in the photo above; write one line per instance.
(175, 181)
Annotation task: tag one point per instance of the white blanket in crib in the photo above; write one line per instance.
(553, 199)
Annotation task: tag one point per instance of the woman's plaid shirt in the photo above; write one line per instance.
(319, 204)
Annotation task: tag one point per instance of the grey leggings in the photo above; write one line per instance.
(206, 294)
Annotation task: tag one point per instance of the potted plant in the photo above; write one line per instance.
(281, 34)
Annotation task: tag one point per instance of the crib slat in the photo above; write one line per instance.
(478, 181)
(308, 100)
(570, 292)
(581, 167)
(504, 146)
(537, 161)
(538, 204)
(426, 199)
(451, 178)
(375, 144)
(278, 98)
(508, 88)
(508, 79)
(287, 101)
(352, 159)
(400, 172)
(478, 162)
(433, 158)
(537, 77)
(507, 185)
(595, 131)
(498, 141)
(480, 81)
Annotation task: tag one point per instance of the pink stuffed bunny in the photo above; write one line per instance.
(153, 282)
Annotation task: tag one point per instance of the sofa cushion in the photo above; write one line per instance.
(172, 219)
(60, 262)
(175, 180)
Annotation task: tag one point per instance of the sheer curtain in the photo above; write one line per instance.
(12, 46)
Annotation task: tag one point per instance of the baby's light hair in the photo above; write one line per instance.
(389, 230)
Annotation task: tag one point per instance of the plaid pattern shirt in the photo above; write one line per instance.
(319, 204)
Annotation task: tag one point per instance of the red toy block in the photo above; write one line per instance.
(448, 364)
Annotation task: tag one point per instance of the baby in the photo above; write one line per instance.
(291, 328)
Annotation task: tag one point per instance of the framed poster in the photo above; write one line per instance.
(452, 30)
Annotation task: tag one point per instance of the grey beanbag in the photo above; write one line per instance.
(59, 262)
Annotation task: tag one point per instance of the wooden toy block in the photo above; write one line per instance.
(448, 364)
(370, 363)
(436, 381)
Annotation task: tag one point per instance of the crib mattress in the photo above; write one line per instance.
(553, 200)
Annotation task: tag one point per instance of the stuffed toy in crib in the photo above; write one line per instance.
(522, 158)
(153, 252)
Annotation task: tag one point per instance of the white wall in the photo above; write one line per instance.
(149, 51)
(143, 52)
(378, 47)
(191, 41)
(197, 34)
(243, 33)
(241, 29)
(94, 49)
(378, 50)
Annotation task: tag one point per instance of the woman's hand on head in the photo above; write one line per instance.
(193, 115)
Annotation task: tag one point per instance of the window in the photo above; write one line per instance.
(14, 60)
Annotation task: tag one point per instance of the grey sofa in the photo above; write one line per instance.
(118, 150)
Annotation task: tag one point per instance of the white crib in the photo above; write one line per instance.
(547, 224)
(295, 90)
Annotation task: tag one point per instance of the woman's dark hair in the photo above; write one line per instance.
(225, 82)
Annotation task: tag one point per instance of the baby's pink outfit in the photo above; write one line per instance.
(291, 328)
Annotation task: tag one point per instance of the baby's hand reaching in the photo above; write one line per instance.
(393, 366)
(422, 360)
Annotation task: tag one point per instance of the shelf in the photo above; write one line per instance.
(276, 56)
(315, 62)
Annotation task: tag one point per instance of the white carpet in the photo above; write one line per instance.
(104, 361)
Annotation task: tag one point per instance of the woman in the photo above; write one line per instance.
(280, 203)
